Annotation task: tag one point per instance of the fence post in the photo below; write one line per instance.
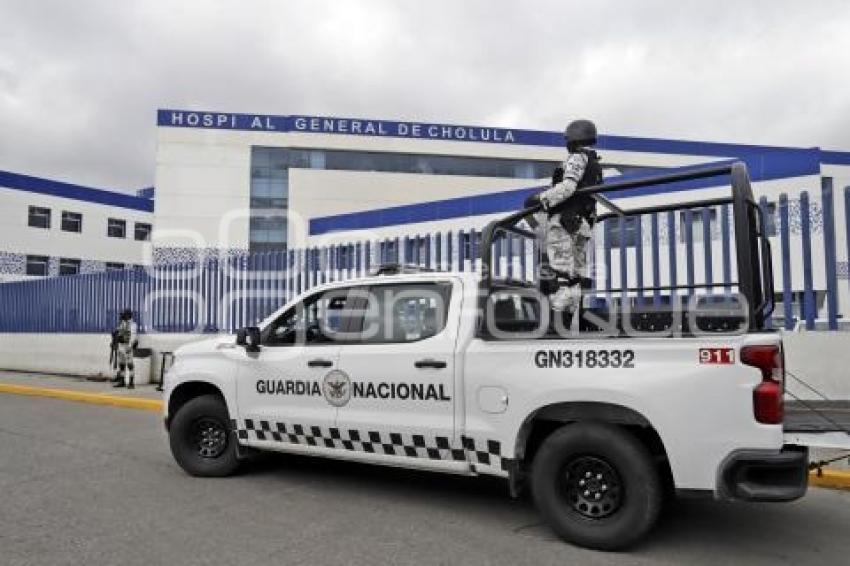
(461, 249)
(449, 258)
(808, 292)
(689, 250)
(671, 255)
(768, 322)
(725, 248)
(656, 260)
(607, 245)
(785, 246)
(708, 264)
(624, 266)
(829, 252)
(638, 220)
(473, 254)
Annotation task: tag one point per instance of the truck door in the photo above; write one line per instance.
(280, 390)
(400, 374)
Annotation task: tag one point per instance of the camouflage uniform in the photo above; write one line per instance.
(127, 334)
(567, 249)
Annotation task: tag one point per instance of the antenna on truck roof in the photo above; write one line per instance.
(399, 269)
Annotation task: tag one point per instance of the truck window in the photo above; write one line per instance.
(320, 318)
(514, 312)
(405, 312)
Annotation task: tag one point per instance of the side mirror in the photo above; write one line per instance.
(249, 338)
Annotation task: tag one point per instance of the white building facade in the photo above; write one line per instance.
(236, 183)
(50, 228)
(341, 176)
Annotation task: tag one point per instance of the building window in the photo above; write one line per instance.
(72, 221)
(37, 265)
(69, 266)
(116, 228)
(114, 266)
(39, 217)
(270, 161)
(143, 232)
(268, 233)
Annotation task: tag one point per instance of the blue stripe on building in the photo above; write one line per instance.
(38, 185)
(761, 168)
(835, 157)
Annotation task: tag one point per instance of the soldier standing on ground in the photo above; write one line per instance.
(126, 334)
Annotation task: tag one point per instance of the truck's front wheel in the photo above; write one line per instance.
(596, 486)
(201, 440)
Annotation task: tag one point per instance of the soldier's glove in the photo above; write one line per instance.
(557, 175)
(548, 279)
(532, 200)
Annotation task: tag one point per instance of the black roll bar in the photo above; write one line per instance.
(755, 274)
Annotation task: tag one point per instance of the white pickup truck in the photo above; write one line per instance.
(444, 371)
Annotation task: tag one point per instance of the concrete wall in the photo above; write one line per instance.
(81, 354)
(820, 358)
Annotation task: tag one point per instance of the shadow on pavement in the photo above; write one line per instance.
(686, 525)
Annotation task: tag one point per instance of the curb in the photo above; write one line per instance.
(835, 479)
(154, 405)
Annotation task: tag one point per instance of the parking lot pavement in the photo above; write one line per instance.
(88, 484)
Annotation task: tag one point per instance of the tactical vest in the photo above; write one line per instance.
(583, 206)
(123, 333)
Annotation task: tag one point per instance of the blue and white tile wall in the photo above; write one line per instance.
(166, 255)
(12, 263)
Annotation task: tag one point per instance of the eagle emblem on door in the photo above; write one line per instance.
(336, 387)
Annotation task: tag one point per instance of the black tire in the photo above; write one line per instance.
(625, 510)
(201, 439)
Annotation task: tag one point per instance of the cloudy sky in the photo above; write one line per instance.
(80, 81)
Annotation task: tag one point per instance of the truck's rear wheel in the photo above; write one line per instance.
(596, 486)
(201, 440)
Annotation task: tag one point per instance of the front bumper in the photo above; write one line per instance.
(755, 475)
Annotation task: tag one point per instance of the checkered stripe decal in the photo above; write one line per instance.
(479, 452)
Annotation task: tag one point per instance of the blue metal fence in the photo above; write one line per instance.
(220, 294)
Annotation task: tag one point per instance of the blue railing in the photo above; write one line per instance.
(689, 249)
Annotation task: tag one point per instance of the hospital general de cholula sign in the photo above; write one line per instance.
(348, 126)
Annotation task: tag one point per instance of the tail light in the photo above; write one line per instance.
(767, 396)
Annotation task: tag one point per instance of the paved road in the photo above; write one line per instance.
(82, 484)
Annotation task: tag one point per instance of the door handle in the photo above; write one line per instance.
(429, 364)
(319, 363)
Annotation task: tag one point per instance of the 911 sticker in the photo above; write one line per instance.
(723, 356)
(588, 359)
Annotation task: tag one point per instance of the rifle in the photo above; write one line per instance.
(113, 350)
